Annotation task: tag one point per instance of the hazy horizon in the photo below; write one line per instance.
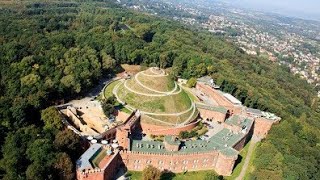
(308, 9)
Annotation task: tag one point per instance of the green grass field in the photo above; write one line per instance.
(108, 90)
(192, 96)
(251, 165)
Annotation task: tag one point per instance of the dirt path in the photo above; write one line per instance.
(253, 143)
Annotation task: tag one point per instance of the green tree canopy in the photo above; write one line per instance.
(151, 173)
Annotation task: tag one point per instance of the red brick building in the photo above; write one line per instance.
(219, 152)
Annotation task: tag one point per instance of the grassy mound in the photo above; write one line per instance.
(161, 83)
(157, 106)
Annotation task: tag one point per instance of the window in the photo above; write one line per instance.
(185, 162)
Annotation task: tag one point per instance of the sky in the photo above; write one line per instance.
(307, 9)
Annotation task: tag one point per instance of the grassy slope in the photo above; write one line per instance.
(158, 83)
(137, 87)
(108, 90)
(166, 104)
(251, 167)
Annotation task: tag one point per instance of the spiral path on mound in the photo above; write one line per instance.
(115, 92)
(161, 92)
(150, 115)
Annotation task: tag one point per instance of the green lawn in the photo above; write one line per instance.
(190, 94)
(108, 90)
(196, 175)
(251, 165)
(163, 104)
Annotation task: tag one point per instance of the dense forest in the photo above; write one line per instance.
(51, 51)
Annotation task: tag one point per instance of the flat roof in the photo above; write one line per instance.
(254, 111)
(220, 109)
(222, 142)
(239, 121)
(205, 79)
(84, 162)
(232, 99)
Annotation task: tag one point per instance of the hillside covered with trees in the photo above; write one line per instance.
(52, 51)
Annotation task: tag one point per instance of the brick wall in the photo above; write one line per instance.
(220, 99)
(224, 165)
(241, 143)
(214, 115)
(109, 134)
(122, 137)
(262, 127)
(180, 162)
(107, 172)
(92, 175)
(122, 116)
(161, 130)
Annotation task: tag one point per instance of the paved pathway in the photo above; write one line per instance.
(252, 144)
(146, 94)
(161, 92)
(192, 107)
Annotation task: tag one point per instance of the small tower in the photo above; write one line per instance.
(171, 143)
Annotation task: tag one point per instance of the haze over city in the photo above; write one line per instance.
(308, 9)
(159, 89)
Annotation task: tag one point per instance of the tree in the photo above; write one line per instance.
(107, 61)
(151, 173)
(213, 176)
(36, 171)
(41, 151)
(183, 134)
(108, 109)
(192, 82)
(42, 156)
(14, 161)
(145, 32)
(52, 120)
(69, 142)
(108, 106)
(64, 167)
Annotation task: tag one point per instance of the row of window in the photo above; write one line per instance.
(174, 168)
(171, 162)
